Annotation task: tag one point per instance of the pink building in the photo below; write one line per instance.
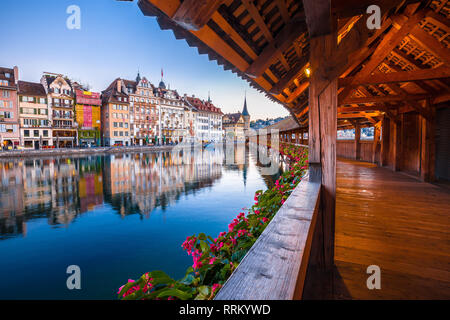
(9, 117)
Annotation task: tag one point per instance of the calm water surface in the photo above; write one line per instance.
(115, 216)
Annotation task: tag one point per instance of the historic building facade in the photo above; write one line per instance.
(88, 117)
(143, 111)
(237, 125)
(9, 117)
(171, 115)
(207, 119)
(60, 98)
(115, 113)
(34, 115)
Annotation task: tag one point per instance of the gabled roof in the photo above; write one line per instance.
(111, 94)
(31, 89)
(233, 118)
(49, 80)
(11, 79)
(202, 105)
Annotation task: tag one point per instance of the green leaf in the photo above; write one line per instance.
(188, 279)
(238, 255)
(204, 290)
(170, 292)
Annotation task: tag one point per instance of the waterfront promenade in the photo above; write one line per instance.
(80, 151)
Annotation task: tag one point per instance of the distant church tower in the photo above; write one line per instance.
(246, 116)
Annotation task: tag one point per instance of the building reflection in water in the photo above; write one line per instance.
(61, 189)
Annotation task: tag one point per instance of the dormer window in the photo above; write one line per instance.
(7, 75)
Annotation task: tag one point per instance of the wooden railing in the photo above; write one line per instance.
(275, 267)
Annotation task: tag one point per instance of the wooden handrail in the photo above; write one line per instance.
(275, 267)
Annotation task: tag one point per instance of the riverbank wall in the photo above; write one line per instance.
(75, 151)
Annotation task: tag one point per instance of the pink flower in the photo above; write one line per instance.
(242, 232)
(211, 261)
(264, 219)
(215, 287)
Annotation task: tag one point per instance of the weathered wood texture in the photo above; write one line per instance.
(275, 267)
(322, 136)
(347, 149)
(396, 222)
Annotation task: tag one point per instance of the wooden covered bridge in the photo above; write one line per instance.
(333, 66)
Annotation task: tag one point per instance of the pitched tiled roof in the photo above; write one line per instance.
(49, 79)
(31, 89)
(111, 94)
(234, 117)
(201, 105)
(11, 80)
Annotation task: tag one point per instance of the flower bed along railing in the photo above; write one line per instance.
(215, 259)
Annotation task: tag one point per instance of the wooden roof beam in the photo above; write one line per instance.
(292, 74)
(283, 10)
(254, 13)
(194, 14)
(362, 108)
(430, 43)
(389, 42)
(294, 29)
(381, 99)
(297, 92)
(401, 76)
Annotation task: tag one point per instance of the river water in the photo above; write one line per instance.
(115, 216)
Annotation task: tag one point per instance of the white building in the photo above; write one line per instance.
(206, 120)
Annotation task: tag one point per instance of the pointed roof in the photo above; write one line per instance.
(138, 78)
(245, 111)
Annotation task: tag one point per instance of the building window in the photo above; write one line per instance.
(45, 133)
(36, 133)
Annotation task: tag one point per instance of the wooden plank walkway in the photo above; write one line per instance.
(396, 222)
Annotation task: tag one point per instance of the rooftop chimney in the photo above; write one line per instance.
(119, 85)
(16, 74)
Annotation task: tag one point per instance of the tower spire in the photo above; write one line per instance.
(245, 111)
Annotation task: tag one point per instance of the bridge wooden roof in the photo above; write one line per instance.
(397, 68)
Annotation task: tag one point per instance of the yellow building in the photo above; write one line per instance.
(88, 117)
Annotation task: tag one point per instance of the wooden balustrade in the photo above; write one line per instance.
(275, 267)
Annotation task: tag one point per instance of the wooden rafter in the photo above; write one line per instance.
(389, 42)
(294, 29)
(402, 76)
(380, 99)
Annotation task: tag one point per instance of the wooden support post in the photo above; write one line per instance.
(397, 147)
(357, 141)
(385, 127)
(427, 156)
(376, 141)
(322, 139)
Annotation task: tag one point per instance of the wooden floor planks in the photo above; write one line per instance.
(396, 222)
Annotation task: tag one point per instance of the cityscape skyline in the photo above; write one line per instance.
(91, 55)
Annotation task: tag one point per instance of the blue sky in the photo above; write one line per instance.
(115, 40)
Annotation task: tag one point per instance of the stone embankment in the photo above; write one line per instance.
(80, 151)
